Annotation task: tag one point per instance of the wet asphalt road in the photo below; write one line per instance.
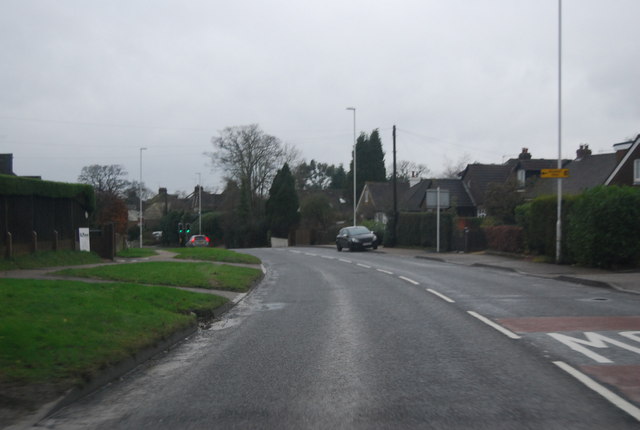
(366, 340)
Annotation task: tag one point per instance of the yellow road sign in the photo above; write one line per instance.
(554, 173)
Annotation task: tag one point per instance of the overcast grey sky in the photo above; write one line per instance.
(90, 82)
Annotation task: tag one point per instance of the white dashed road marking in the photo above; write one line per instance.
(385, 271)
(442, 296)
(364, 265)
(411, 281)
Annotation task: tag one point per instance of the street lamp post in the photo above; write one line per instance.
(354, 163)
(140, 194)
(199, 203)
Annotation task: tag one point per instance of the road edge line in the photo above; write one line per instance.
(490, 323)
(609, 395)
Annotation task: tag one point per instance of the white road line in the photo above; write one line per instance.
(442, 296)
(295, 252)
(385, 271)
(604, 392)
(344, 261)
(364, 265)
(310, 254)
(490, 323)
(327, 257)
(411, 281)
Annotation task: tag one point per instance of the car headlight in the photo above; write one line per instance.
(354, 240)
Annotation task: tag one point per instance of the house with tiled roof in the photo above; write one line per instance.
(415, 198)
(376, 200)
(588, 170)
(525, 169)
(627, 170)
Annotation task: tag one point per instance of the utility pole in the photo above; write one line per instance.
(395, 192)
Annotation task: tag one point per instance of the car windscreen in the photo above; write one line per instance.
(359, 230)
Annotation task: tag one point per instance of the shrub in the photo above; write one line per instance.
(604, 227)
(539, 218)
(505, 238)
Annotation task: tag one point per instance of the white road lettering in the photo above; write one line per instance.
(593, 340)
(633, 335)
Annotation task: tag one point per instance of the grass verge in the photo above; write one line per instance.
(136, 253)
(214, 254)
(50, 259)
(56, 331)
(182, 274)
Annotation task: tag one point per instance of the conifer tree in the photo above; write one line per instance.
(282, 206)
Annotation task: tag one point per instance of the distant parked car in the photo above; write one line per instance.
(198, 240)
(357, 237)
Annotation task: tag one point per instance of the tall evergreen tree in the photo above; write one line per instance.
(369, 161)
(282, 206)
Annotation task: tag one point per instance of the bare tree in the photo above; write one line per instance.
(407, 169)
(105, 179)
(249, 155)
(452, 169)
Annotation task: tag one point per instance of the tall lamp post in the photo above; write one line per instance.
(140, 194)
(354, 163)
(559, 204)
(199, 203)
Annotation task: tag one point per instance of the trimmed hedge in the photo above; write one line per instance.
(539, 218)
(604, 228)
(419, 229)
(601, 227)
(17, 186)
(505, 238)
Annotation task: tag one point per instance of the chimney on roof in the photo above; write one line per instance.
(162, 191)
(583, 152)
(524, 155)
(414, 180)
(6, 164)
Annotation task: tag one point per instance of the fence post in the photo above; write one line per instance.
(34, 241)
(9, 250)
(55, 240)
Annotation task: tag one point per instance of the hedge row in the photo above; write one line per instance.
(419, 229)
(601, 227)
(505, 238)
(17, 186)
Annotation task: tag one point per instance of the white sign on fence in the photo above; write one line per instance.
(83, 235)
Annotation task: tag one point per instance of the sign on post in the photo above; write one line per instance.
(554, 173)
(84, 239)
(432, 199)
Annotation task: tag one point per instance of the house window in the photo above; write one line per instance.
(366, 197)
(522, 175)
(636, 171)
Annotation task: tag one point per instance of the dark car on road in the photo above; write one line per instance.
(198, 240)
(356, 237)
